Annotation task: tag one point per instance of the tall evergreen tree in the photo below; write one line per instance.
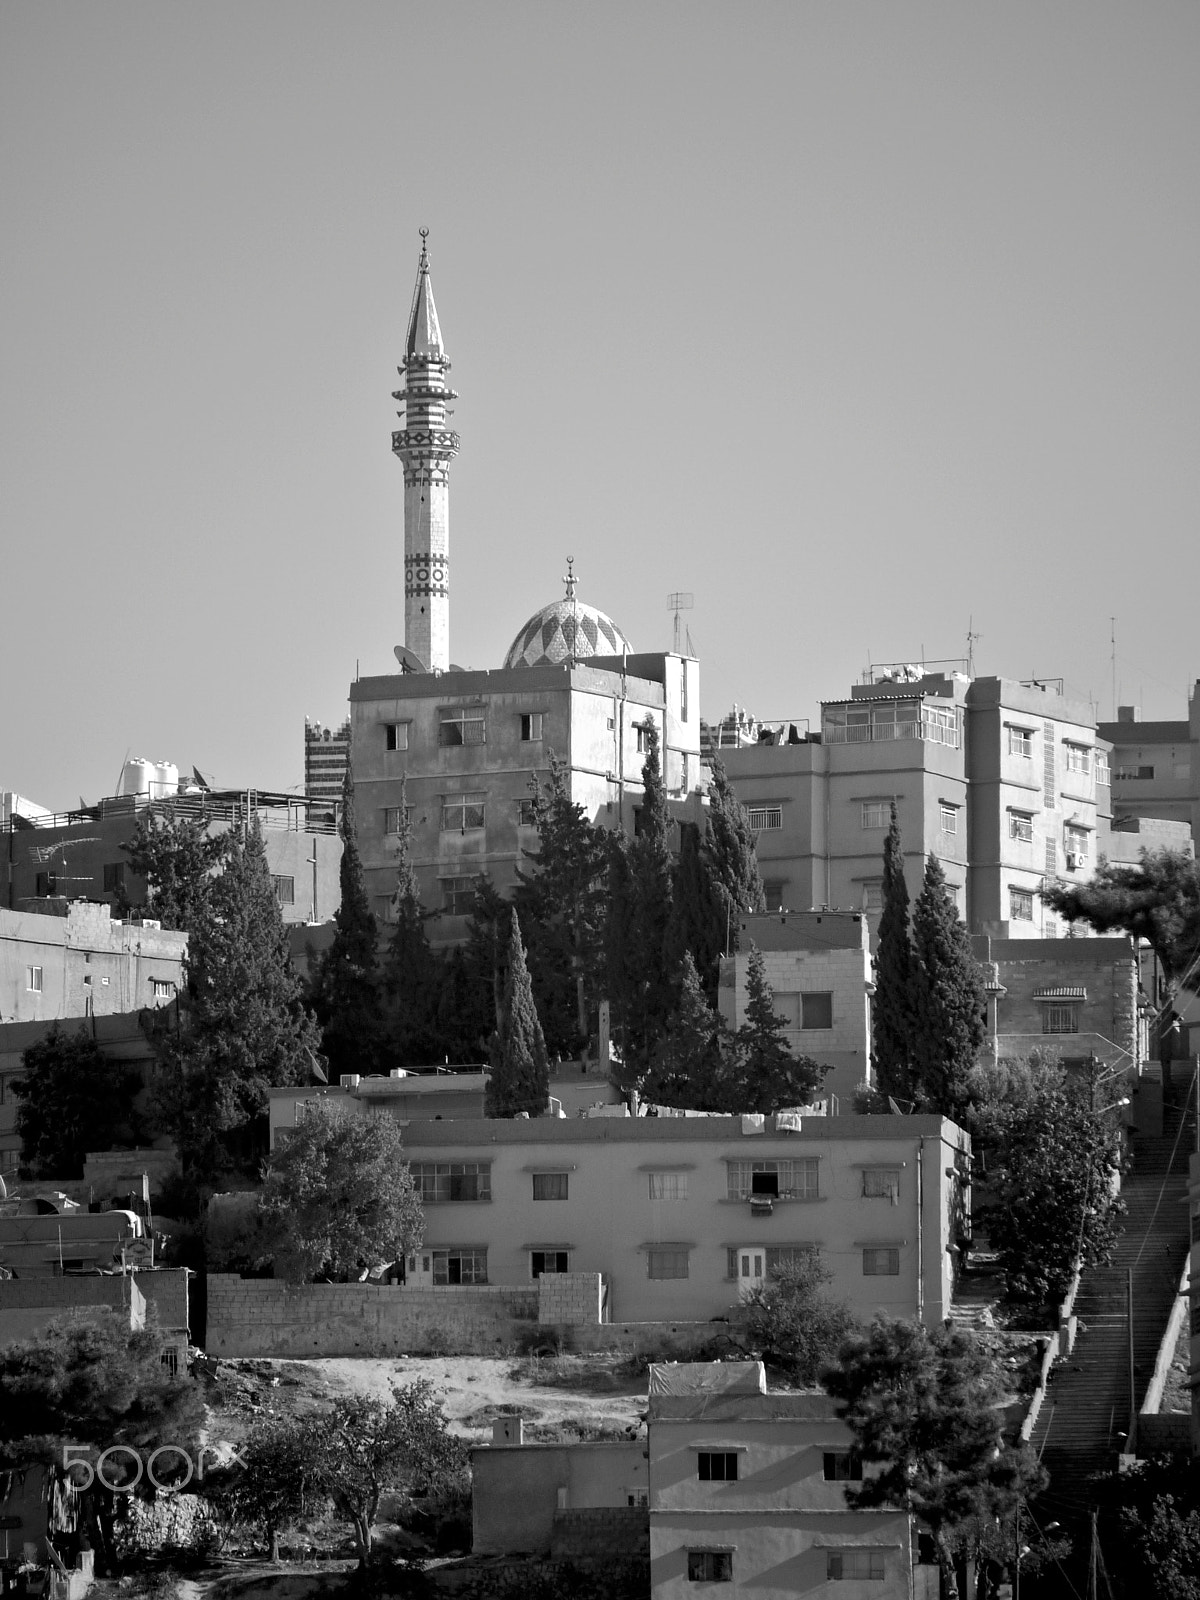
(699, 911)
(179, 857)
(246, 1029)
(951, 1005)
(411, 974)
(730, 849)
(641, 974)
(692, 1064)
(561, 906)
(892, 1014)
(716, 881)
(769, 1075)
(520, 1076)
(346, 990)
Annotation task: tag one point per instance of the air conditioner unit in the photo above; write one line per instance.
(1072, 863)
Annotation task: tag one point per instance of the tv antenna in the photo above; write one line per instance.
(681, 600)
(971, 638)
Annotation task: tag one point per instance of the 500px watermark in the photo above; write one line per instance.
(76, 1456)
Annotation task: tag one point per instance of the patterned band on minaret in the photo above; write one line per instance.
(426, 446)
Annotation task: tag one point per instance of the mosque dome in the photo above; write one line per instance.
(566, 628)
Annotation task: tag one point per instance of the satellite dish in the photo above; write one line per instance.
(409, 660)
(454, 667)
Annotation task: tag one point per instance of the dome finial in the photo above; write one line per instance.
(570, 580)
(423, 264)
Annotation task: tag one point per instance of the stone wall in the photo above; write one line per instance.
(656, 1341)
(569, 1299)
(600, 1532)
(260, 1317)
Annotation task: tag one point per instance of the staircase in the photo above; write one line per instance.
(1086, 1416)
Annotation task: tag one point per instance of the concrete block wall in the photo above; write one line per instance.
(658, 1341)
(260, 1317)
(600, 1531)
(166, 1289)
(570, 1299)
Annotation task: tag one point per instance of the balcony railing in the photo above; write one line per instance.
(926, 729)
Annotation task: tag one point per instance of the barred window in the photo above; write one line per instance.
(881, 1183)
(394, 815)
(459, 1266)
(1020, 826)
(668, 1185)
(461, 725)
(451, 1180)
(773, 894)
(717, 1466)
(114, 877)
(1020, 905)
(541, 1261)
(666, 1263)
(790, 1179)
(881, 1263)
(948, 816)
(462, 811)
(782, 1257)
(285, 889)
(765, 818)
(843, 1466)
(710, 1566)
(458, 896)
(550, 1185)
(527, 813)
(1060, 1019)
(855, 1564)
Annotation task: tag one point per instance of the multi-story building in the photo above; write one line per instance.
(1156, 765)
(1005, 782)
(818, 964)
(80, 963)
(326, 761)
(683, 1215)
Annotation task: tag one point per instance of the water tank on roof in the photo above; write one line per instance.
(166, 779)
(137, 776)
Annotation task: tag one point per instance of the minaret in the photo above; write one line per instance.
(426, 447)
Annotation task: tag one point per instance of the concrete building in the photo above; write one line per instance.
(43, 1235)
(326, 762)
(28, 1304)
(748, 1489)
(76, 855)
(78, 962)
(1156, 765)
(683, 1215)
(1005, 782)
(818, 964)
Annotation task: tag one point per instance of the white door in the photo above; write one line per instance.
(752, 1269)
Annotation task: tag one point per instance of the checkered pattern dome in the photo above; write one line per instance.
(566, 628)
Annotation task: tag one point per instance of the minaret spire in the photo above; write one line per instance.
(426, 447)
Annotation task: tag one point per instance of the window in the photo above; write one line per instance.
(666, 1263)
(1060, 1019)
(169, 1358)
(462, 811)
(531, 725)
(781, 1257)
(451, 1180)
(1020, 826)
(1020, 905)
(395, 736)
(1103, 772)
(816, 1010)
(458, 896)
(1020, 741)
(881, 1183)
(526, 814)
(1075, 842)
(33, 980)
(114, 877)
(1079, 757)
(855, 1564)
(285, 889)
(843, 1466)
(948, 816)
(765, 819)
(392, 818)
(668, 1185)
(548, 1261)
(550, 1185)
(459, 1266)
(873, 897)
(46, 883)
(772, 894)
(881, 1262)
(710, 1566)
(876, 813)
(462, 725)
(717, 1466)
(160, 988)
(789, 1179)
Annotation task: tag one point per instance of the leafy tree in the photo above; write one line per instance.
(924, 1410)
(1158, 900)
(795, 1325)
(769, 1074)
(1153, 1511)
(364, 1447)
(92, 1381)
(1051, 1165)
(337, 1196)
(247, 1028)
(520, 1076)
(561, 905)
(892, 1012)
(950, 1012)
(346, 990)
(179, 856)
(412, 976)
(640, 972)
(693, 1065)
(72, 1100)
(274, 1485)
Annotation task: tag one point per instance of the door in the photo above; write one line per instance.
(752, 1269)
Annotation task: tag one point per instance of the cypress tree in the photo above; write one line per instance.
(699, 911)
(951, 1005)
(892, 1015)
(347, 994)
(411, 973)
(769, 1074)
(730, 850)
(520, 1076)
(691, 1065)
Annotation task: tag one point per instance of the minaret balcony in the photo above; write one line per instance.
(442, 440)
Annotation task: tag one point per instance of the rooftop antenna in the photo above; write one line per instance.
(1112, 623)
(681, 600)
(971, 638)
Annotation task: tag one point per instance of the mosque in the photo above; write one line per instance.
(466, 746)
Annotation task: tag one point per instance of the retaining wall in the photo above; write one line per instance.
(261, 1317)
(600, 1532)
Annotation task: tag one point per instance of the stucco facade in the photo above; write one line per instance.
(82, 963)
(518, 1489)
(682, 1215)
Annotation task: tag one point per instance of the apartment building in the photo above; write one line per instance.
(80, 963)
(1156, 765)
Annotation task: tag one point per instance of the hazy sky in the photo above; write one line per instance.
(857, 321)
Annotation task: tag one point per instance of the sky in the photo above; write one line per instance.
(870, 326)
